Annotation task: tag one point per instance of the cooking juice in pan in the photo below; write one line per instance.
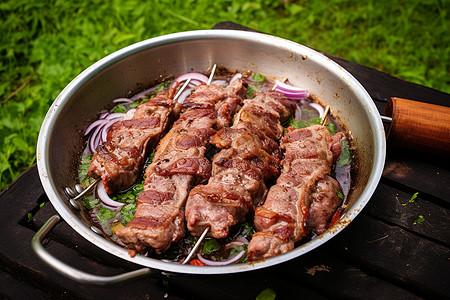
(117, 210)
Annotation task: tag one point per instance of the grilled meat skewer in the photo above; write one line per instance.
(119, 160)
(179, 162)
(304, 197)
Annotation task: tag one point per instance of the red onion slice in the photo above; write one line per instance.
(104, 197)
(106, 129)
(115, 115)
(94, 139)
(318, 107)
(95, 124)
(184, 95)
(192, 75)
(122, 100)
(222, 262)
(220, 82)
(236, 76)
(295, 95)
(144, 94)
(298, 113)
(290, 91)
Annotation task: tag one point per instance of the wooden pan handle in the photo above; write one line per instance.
(419, 126)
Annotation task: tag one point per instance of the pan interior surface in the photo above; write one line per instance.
(141, 65)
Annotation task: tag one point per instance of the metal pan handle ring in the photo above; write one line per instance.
(72, 273)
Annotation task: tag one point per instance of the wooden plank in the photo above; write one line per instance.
(396, 255)
(393, 206)
(15, 288)
(241, 286)
(412, 171)
(335, 278)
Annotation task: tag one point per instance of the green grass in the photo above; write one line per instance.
(45, 44)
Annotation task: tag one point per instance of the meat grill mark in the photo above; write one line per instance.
(119, 160)
(248, 158)
(304, 196)
(178, 162)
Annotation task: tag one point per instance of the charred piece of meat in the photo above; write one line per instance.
(178, 163)
(304, 197)
(249, 157)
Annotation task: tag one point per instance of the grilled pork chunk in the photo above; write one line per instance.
(179, 162)
(250, 156)
(304, 197)
(119, 160)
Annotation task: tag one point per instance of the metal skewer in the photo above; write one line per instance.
(202, 237)
(323, 120)
(386, 119)
(212, 74)
(182, 88)
(197, 244)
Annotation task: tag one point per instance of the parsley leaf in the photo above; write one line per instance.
(247, 230)
(340, 195)
(346, 154)
(250, 92)
(128, 212)
(89, 201)
(419, 220)
(331, 128)
(210, 245)
(258, 77)
(103, 214)
(413, 198)
(120, 109)
(302, 124)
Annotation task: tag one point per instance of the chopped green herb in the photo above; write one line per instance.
(302, 124)
(258, 77)
(161, 87)
(30, 217)
(83, 168)
(137, 103)
(103, 214)
(250, 92)
(247, 230)
(89, 201)
(138, 188)
(267, 294)
(331, 128)
(340, 195)
(120, 109)
(210, 245)
(413, 198)
(128, 212)
(346, 154)
(41, 205)
(419, 220)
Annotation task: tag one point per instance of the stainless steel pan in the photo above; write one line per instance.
(136, 67)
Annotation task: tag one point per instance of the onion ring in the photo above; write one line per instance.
(222, 262)
(104, 197)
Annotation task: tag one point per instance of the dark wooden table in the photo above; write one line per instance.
(383, 254)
